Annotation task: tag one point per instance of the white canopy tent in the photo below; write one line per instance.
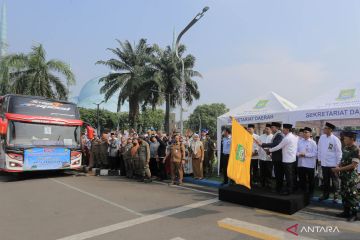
(340, 106)
(267, 108)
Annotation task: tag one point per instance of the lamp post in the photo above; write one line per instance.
(168, 95)
(98, 116)
(182, 76)
(200, 124)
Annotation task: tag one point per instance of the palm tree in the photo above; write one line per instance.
(168, 68)
(131, 78)
(4, 77)
(8, 65)
(37, 76)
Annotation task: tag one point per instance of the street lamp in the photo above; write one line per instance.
(182, 76)
(200, 124)
(98, 116)
(168, 95)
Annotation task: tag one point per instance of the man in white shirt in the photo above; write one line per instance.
(289, 149)
(276, 156)
(225, 153)
(266, 165)
(307, 154)
(301, 133)
(329, 155)
(254, 158)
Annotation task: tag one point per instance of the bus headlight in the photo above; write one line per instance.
(77, 162)
(14, 164)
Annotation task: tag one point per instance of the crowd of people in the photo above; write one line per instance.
(296, 157)
(279, 152)
(152, 155)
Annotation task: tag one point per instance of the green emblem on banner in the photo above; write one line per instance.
(240, 153)
(346, 94)
(261, 104)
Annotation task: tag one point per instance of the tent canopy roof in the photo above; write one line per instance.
(336, 98)
(337, 104)
(268, 107)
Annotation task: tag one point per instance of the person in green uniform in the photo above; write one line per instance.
(211, 149)
(126, 154)
(144, 159)
(347, 170)
(95, 152)
(104, 145)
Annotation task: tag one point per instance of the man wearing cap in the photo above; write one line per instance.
(254, 157)
(289, 147)
(225, 153)
(264, 159)
(347, 170)
(329, 155)
(307, 153)
(276, 156)
(177, 161)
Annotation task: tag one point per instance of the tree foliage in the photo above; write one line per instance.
(109, 120)
(208, 114)
(33, 74)
(152, 119)
(167, 68)
(147, 75)
(131, 77)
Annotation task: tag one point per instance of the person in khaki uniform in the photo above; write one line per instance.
(144, 157)
(135, 158)
(126, 154)
(197, 156)
(104, 145)
(95, 152)
(177, 159)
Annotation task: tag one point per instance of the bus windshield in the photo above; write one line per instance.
(22, 134)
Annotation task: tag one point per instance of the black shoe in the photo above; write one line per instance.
(343, 215)
(285, 193)
(322, 198)
(352, 218)
(148, 180)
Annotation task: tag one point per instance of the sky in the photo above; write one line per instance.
(243, 48)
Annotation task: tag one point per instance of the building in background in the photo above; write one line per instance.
(90, 94)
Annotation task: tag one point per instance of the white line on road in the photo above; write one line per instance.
(188, 188)
(177, 238)
(97, 197)
(257, 231)
(137, 221)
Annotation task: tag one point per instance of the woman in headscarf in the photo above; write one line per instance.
(197, 155)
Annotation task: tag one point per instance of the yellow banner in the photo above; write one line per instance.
(240, 155)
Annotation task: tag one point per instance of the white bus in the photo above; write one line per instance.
(39, 134)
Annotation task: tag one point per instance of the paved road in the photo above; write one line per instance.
(65, 206)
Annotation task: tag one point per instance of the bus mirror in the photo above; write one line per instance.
(3, 126)
(90, 132)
